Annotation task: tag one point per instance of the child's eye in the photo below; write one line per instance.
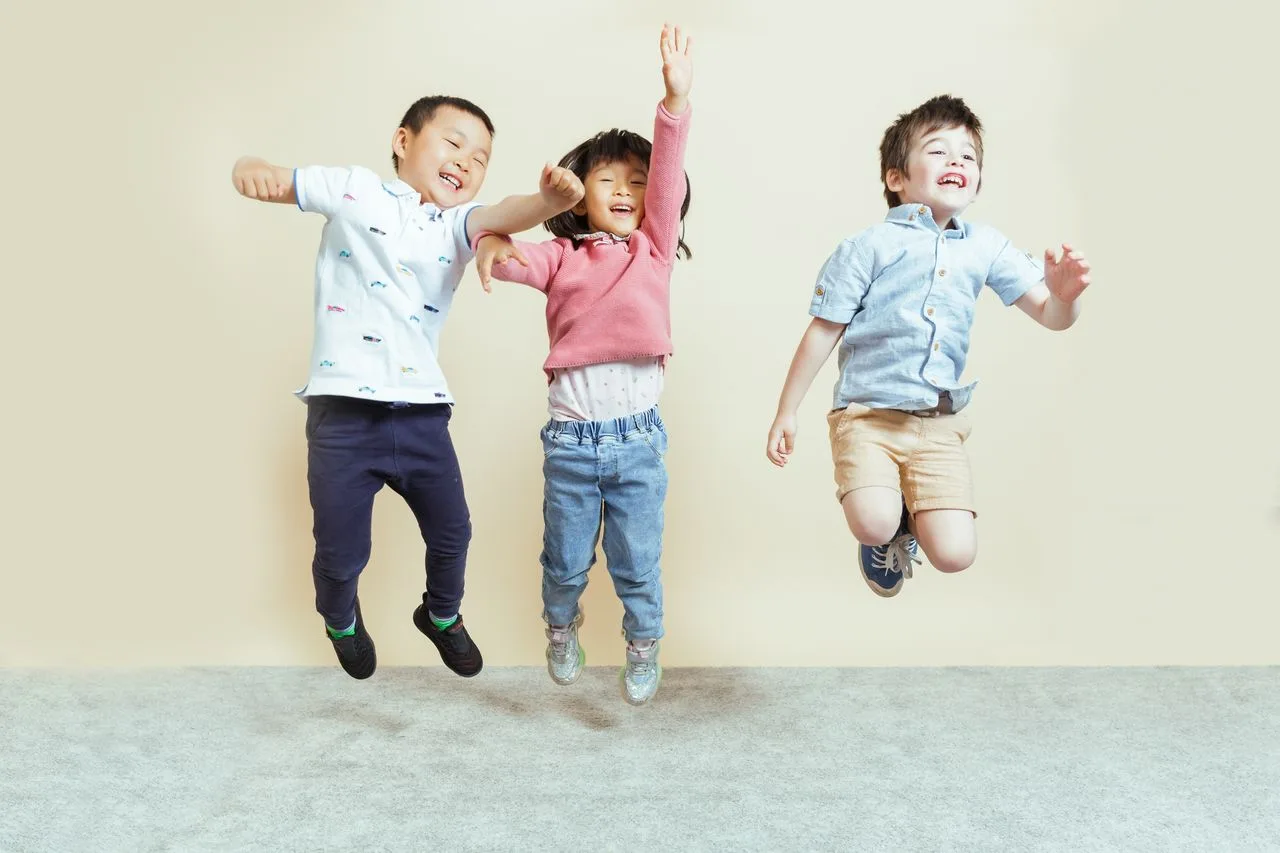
(970, 157)
(937, 151)
(454, 144)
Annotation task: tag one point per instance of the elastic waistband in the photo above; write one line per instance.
(617, 427)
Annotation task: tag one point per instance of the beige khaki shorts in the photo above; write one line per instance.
(922, 457)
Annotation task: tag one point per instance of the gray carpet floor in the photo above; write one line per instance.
(725, 759)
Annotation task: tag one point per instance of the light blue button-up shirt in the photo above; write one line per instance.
(906, 290)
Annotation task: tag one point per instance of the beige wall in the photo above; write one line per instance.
(156, 323)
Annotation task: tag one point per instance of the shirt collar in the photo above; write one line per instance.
(602, 237)
(400, 189)
(921, 215)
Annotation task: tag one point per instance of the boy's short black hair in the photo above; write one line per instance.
(934, 114)
(424, 110)
(610, 146)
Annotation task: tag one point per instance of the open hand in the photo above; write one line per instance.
(491, 250)
(560, 187)
(1066, 278)
(782, 439)
(677, 65)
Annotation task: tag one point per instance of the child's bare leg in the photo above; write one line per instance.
(949, 538)
(873, 513)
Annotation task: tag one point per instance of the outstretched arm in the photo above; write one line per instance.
(559, 189)
(1054, 303)
(505, 259)
(255, 178)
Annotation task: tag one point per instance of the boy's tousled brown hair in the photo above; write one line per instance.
(934, 114)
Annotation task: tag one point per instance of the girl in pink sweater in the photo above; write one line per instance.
(607, 276)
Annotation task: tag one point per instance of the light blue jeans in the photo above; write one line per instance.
(610, 475)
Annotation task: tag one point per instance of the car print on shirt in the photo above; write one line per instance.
(348, 197)
(433, 309)
(409, 371)
(414, 318)
(371, 339)
(345, 253)
(365, 389)
(378, 231)
(328, 363)
(445, 260)
(440, 396)
(335, 309)
(377, 284)
(403, 270)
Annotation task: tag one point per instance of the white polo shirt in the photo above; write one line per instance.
(386, 272)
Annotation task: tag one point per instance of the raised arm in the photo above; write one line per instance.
(255, 178)
(665, 193)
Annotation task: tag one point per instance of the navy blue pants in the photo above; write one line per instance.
(354, 447)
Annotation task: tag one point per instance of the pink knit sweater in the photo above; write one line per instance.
(609, 299)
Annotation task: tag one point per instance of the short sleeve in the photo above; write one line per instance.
(1013, 273)
(842, 283)
(319, 189)
(461, 236)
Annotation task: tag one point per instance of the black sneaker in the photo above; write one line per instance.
(454, 643)
(356, 653)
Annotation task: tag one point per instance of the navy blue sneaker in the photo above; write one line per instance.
(885, 566)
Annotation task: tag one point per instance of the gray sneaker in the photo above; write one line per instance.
(642, 673)
(565, 657)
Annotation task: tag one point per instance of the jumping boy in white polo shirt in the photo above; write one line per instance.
(378, 407)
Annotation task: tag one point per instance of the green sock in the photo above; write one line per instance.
(442, 624)
(337, 635)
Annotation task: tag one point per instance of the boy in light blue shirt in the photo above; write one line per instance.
(899, 298)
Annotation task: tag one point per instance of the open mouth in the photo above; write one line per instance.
(452, 181)
(953, 179)
(622, 210)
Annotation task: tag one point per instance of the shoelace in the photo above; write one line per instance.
(897, 556)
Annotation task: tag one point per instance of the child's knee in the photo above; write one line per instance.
(873, 514)
(953, 556)
(340, 562)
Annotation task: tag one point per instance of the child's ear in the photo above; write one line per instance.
(895, 180)
(580, 208)
(399, 140)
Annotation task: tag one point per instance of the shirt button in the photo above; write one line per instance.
(935, 347)
(820, 291)
(920, 211)
(930, 312)
(942, 273)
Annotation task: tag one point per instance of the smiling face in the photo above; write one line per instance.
(615, 196)
(942, 172)
(447, 159)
